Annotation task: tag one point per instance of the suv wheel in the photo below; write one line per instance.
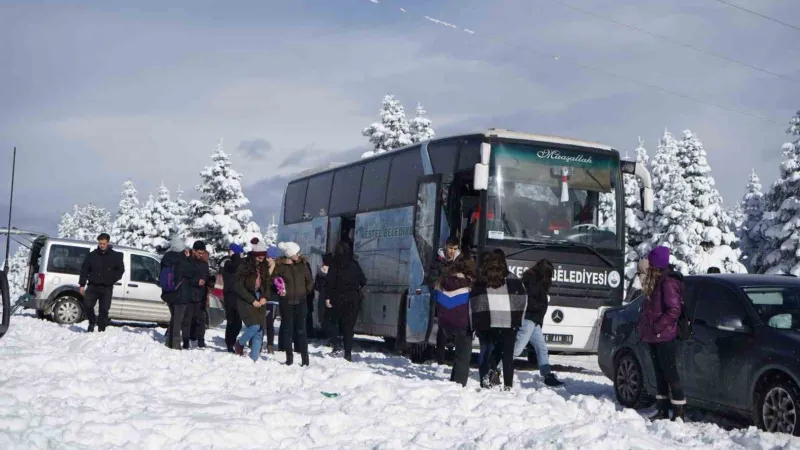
(67, 310)
(629, 383)
(777, 407)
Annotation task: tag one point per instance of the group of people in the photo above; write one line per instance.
(278, 279)
(504, 311)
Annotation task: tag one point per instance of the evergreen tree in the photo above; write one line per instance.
(180, 209)
(392, 131)
(129, 227)
(85, 223)
(219, 218)
(636, 231)
(607, 210)
(750, 232)
(705, 197)
(160, 222)
(18, 272)
(782, 222)
(421, 127)
(271, 235)
(673, 222)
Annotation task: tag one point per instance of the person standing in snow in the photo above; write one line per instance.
(330, 323)
(635, 289)
(343, 294)
(293, 270)
(272, 305)
(452, 301)
(444, 259)
(537, 281)
(178, 300)
(658, 327)
(233, 322)
(195, 314)
(253, 291)
(497, 306)
(101, 269)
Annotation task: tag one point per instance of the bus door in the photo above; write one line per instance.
(427, 221)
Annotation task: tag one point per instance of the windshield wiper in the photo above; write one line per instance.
(561, 243)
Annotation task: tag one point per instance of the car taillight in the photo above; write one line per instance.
(40, 283)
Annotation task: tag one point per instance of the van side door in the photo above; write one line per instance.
(142, 291)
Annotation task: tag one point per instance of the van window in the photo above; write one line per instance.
(406, 169)
(66, 259)
(144, 269)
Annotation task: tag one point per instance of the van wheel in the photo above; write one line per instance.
(67, 310)
(629, 383)
(777, 406)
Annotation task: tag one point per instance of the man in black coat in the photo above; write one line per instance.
(101, 269)
(229, 266)
(195, 314)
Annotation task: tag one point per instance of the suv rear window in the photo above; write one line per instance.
(66, 259)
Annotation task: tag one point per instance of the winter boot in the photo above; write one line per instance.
(304, 359)
(201, 343)
(348, 356)
(552, 381)
(289, 358)
(677, 412)
(662, 405)
(270, 349)
(90, 329)
(186, 344)
(238, 348)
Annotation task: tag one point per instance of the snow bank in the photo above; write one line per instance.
(64, 388)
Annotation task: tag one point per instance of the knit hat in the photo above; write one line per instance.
(236, 249)
(273, 252)
(259, 249)
(177, 244)
(659, 257)
(289, 249)
(199, 246)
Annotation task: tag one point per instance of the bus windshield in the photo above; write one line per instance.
(526, 201)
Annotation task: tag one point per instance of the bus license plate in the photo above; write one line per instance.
(558, 339)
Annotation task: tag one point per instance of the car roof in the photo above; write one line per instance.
(58, 241)
(742, 280)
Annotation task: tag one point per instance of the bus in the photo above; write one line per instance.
(532, 196)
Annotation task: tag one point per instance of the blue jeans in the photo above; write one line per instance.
(253, 334)
(530, 332)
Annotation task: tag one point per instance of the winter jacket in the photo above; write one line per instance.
(183, 270)
(345, 280)
(439, 267)
(297, 278)
(503, 307)
(199, 271)
(452, 303)
(658, 318)
(229, 266)
(101, 268)
(321, 282)
(245, 286)
(537, 299)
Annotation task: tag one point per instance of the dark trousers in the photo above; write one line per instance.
(177, 312)
(441, 345)
(233, 325)
(194, 323)
(664, 357)
(272, 311)
(310, 316)
(92, 295)
(293, 326)
(463, 355)
(503, 340)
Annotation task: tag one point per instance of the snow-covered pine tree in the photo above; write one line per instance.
(392, 131)
(160, 222)
(706, 199)
(251, 230)
(782, 221)
(18, 272)
(636, 231)
(607, 210)
(421, 127)
(129, 228)
(219, 218)
(750, 233)
(85, 223)
(673, 222)
(180, 209)
(271, 235)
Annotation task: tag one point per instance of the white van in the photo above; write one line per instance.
(52, 284)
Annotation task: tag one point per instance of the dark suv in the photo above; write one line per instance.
(743, 357)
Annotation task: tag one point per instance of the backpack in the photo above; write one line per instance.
(167, 280)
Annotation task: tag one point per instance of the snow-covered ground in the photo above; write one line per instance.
(63, 388)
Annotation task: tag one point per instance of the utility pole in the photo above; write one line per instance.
(10, 206)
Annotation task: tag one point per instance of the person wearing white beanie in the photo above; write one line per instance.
(289, 249)
(296, 275)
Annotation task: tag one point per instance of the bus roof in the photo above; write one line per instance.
(488, 133)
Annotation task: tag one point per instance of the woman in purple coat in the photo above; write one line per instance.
(658, 327)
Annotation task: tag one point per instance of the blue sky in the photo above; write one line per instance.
(97, 92)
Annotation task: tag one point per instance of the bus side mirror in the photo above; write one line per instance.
(647, 200)
(481, 178)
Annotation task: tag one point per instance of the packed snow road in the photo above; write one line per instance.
(63, 388)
